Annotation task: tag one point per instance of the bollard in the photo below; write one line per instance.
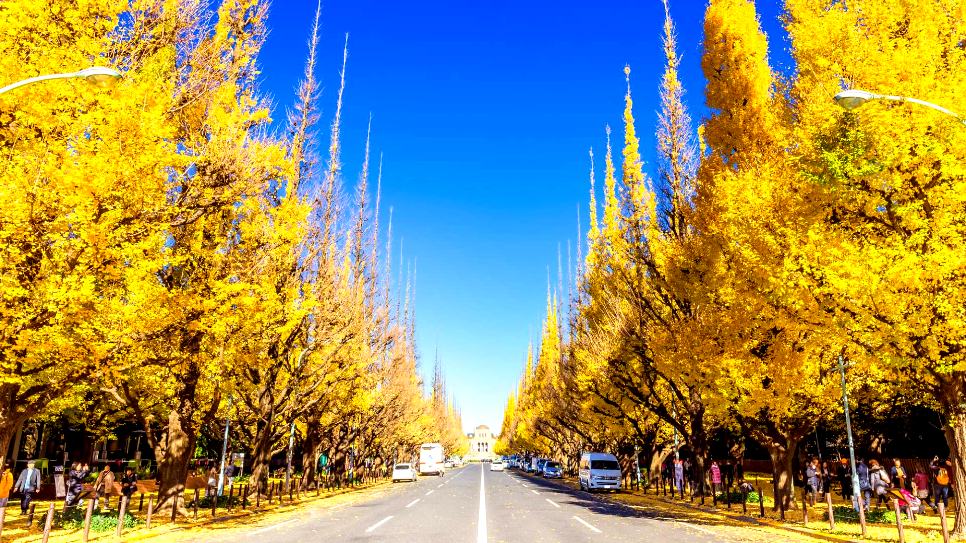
(141, 503)
(197, 499)
(831, 512)
(258, 496)
(744, 503)
(121, 509)
(862, 514)
(87, 519)
(48, 523)
(270, 487)
(147, 523)
(728, 497)
(3, 515)
(781, 506)
(761, 502)
(714, 498)
(244, 496)
(174, 507)
(902, 535)
(30, 515)
(231, 494)
(214, 505)
(942, 522)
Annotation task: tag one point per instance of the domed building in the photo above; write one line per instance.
(481, 443)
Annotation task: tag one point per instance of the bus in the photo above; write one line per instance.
(431, 459)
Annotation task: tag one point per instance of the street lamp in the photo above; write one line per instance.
(96, 75)
(855, 98)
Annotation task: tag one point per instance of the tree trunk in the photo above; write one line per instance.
(658, 456)
(783, 481)
(311, 448)
(264, 432)
(173, 456)
(698, 442)
(956, 439)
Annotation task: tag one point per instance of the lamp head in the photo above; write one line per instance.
(100, 76)
(853, 98)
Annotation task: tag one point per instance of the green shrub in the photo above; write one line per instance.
(736, 496)
(845, 513)
(73, 519)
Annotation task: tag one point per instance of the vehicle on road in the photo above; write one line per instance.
(431, 459)
(403, 472)
(552, 470)
(496, 465)
(599, 471)
(448, 464)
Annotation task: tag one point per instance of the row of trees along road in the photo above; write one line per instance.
(169, 256)
(780, 234)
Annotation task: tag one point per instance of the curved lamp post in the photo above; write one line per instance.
(854, 98)
(96, 75)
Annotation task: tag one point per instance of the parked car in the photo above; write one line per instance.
(403, 472)
(552, 470)
(496, 465)
(599, 471)
(448, 464)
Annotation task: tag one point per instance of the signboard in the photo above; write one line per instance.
(59, 487)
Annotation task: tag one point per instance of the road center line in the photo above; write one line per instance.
(412, 503)
(553, 503)
(439, 485)
(585, 523)
(534, 491)
(481, 522)
(378, 524)
(430, 492)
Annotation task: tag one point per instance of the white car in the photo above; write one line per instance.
(496, 465)
(403, 472)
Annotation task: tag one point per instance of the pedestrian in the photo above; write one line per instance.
(75, 482)
(941, 484)
(212, 482)
(898, 474)
(104, 486)
(679, 476)
(865, 489)
(879, 481)
(845, 478)
(813, 480)
(715, 477)
(6, 483)
(920, 488)
(230, 471)
(826, 477)
(129, 483)
(27, 484)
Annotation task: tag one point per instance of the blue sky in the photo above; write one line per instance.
(485, 112)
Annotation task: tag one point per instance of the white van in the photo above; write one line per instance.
(599, 470)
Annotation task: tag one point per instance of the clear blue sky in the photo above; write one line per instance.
(485, 112)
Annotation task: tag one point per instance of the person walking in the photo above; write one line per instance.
(75, 482)
(212, 487)
(679, 476)
(6, 483)
(826, 477)
(813, 480)
(104, 485)
(920, 487)
(865, 489)
(879, 481)
(942, 484)
(898, 474)
(27, 484)
(845, 479)
(715, 477)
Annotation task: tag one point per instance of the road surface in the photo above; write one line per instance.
(475, 505)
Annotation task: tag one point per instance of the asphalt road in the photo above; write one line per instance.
(475, 505)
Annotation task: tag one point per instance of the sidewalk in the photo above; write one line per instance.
(205, 528)
(752, 527)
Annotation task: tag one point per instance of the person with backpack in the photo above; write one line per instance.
(879, 481)
(942, 484)
(813, 480)
(898, 474)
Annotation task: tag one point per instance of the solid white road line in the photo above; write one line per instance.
(439, 486)
(584, 522)
(534, 491)
(430, 492)
(552, 503)
(412, 503)
(272, 527)
(481, 522)
(378, 524)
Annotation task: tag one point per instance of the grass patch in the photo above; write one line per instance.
(73, 519)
